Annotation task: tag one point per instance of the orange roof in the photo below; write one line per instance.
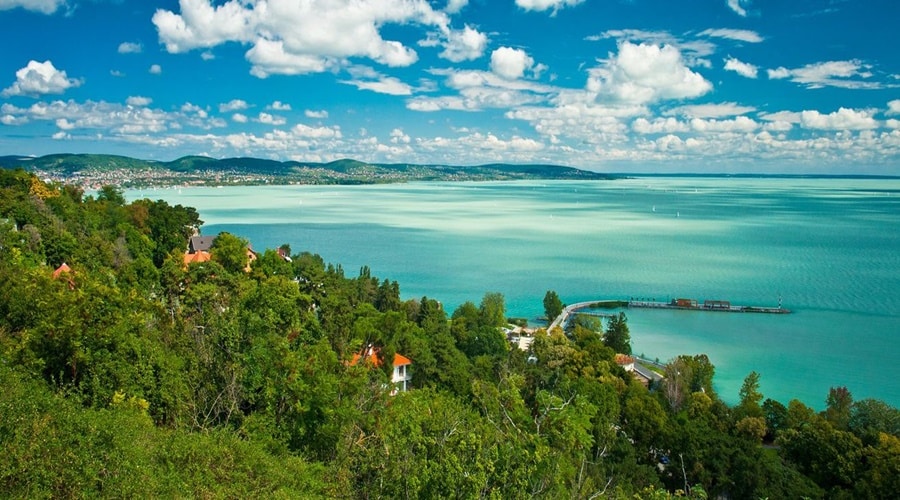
(373, 355)
(61, 269)
(624, 359)
(196, 258)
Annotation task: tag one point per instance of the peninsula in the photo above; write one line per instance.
(92, 171)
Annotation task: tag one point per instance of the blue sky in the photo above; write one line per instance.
(800, 86)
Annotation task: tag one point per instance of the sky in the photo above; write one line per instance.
(753, 86)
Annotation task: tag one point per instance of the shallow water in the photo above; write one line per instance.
(827, 247)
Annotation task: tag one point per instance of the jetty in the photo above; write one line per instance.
(707, 305)
(679, 304)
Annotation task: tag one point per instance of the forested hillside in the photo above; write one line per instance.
(128, 373)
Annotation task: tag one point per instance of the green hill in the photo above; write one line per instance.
(92, 168)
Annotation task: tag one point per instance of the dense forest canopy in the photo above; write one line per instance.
(129, 371)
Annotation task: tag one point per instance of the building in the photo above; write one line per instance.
(400, 377)
(199, 251)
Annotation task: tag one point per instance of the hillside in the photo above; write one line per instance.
(90, 169)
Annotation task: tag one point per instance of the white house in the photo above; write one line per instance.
(400, 378)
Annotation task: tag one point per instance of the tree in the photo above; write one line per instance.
(617, 335)
(871, 417)
(749, 405)
(493, 310)
(837, 410)
(230, 251)
(553, 306)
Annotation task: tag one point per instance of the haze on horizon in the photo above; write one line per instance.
(755, 86)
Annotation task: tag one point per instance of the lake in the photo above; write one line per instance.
(828, 248)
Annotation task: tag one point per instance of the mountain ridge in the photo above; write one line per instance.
(133, 172)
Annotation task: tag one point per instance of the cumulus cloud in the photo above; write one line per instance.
(130, 48)
(316, 113)
(280, 106)
(270, 119)
(894, 107)
(542, 5)
(853, 74)
(842, 119)
(510, 63)
(313, 36)
(139, 101)
(710, 110)
(737, 124)
(733, 34)
(464, 45)
(746, 70)
(42, 6)
(155, 69)
(659, 126)
(38, 78)
(646, 73)
(778, 73)
(239, 118)
(233, 105)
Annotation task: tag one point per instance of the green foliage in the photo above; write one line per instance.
(553, 306)
(135, 376)
(618, 337)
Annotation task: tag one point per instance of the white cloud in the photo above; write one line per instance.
(319, 114)
(646, 73)
(894, 107)
(542, 5)
(138, 101)
(454, 6)
(38, 78)
(659, 126)
(465, 45)
(399, 137)
(42, 6)
(280, 106)
(737, 124)
(778, 73)
(842, 119)
(306, 131)
(853, 74)
(710, 110)
(510, 63)
(385, 85)
(130, 48)
(270, 119)
(233, 105)
(746, 70)
(155, 69)
(892, 123)
(301, 37)
(207, 55)
(239, 118)
(738, 6)
(733, 34)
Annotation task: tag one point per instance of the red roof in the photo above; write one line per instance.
(373, 355)
(624, 359)
(61, 269)
(196, 258)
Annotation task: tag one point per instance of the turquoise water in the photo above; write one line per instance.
(827, 247)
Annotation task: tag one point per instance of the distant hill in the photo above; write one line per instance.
(122, 170)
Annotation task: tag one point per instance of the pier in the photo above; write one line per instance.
(707, 305)
(678, 304)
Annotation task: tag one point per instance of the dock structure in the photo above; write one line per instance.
(706, 305)
(679, 304)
